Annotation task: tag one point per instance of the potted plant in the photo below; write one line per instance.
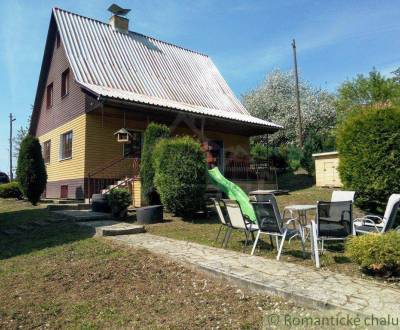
(119, 200)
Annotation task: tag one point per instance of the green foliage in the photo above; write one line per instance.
(10, 190)
(369, 148)
(276, 157)
(378, 253)
(362, 91)
(119, 200)
(294, 157)
(31, 171)
(152, 135)
(180, 174)
(315, 143)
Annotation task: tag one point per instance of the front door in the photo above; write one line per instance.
(133, 149)
(64, 191)
(216, 154)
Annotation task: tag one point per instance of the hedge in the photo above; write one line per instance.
(180, 174)
(10, 190)
(369, 147)
(31, 171)
(152, 135)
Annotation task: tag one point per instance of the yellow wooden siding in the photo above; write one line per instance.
(102, 146)
(326, 171)
(136, 193)
(70, 168)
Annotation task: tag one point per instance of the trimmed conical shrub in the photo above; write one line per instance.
(31, 171)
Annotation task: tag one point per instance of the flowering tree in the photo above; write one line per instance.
(275, 100)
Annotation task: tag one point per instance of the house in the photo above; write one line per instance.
(97, 78)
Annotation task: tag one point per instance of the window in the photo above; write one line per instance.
(66, 145)
(57, 39)
(46, 151)
(133, 149)
(65, 83)
(49, 96)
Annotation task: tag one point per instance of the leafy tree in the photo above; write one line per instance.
(362, 92)
(275, 100)
(152, 135)
(31, 171)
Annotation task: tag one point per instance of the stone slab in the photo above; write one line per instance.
(113, 228)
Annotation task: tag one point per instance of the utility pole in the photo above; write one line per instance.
(10, 141)
(296, 75)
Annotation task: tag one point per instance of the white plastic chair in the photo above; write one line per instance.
(237, 221)
(343, 196)
(376, 224)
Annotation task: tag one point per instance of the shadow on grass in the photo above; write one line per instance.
(29, 230)
(292, 182)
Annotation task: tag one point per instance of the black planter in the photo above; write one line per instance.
(149, 214)
(100, 203)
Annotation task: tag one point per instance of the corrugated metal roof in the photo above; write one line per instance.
(137, 68)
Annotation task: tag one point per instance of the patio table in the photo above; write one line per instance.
(301, 211)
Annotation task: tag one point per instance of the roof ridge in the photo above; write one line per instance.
(133, 32)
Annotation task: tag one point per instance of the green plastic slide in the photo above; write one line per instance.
(233, 191)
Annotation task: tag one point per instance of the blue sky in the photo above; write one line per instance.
(246, 39)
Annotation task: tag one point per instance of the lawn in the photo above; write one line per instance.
(53, 274)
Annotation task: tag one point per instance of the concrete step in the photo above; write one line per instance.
(61, 201)
(83, 215)
(76, 206)
(113, 228)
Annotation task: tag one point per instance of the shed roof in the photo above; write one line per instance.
(136, 68)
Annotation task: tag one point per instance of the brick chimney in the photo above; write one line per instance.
(119, 23)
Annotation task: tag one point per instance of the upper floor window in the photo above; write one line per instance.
(66, 145)
(65, 83)
(46, 151)
(57, 39)
(49, 96)
(133, 149)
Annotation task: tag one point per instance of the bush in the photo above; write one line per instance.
(180, 174)
(31, 171)
(152, 135)
(276, 157)
(294, 157)
(119, 200)
(10, 190)
(369, 148)
(378, 253)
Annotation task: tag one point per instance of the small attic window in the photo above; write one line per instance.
(57, 39)
(65, 83)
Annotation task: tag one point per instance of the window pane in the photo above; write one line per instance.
(46, 151)
(66, 145)
(49, 96)
(65, 83)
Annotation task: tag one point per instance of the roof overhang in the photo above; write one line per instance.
(167, 111)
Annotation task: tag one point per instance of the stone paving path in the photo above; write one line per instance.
(316, 288)
(113, 228)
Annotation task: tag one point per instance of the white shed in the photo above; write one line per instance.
(326, 169)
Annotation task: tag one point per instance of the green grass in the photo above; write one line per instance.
(58, 276)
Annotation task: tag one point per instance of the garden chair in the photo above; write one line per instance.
(270, 223)
(224, 222)
(342, 196)
(237, 221)
(376, 224)
(333, 222)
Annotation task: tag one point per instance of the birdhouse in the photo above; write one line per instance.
(123, 136)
